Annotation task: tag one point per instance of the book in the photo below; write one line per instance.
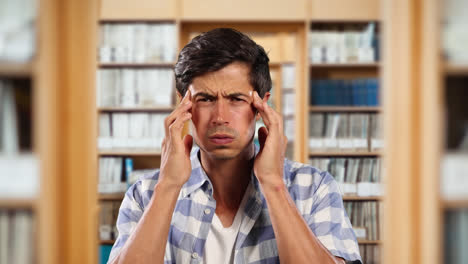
(137, 42)
(9, 134)
(18, 30)
(342, 44)
(355, 176)
(131, 130)
(135, 88)
(340, 92)
(113, 174)
(456, 236)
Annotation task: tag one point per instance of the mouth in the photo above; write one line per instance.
(221, 139)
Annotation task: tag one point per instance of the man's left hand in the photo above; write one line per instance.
(268, 164)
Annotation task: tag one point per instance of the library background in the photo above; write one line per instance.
(373, 91)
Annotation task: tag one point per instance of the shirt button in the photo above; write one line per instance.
(195, 255)
(207, 211)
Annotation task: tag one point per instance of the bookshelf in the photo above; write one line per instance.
(284, 35)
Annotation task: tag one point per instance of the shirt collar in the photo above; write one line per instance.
(199, 179)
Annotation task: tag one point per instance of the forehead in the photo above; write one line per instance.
(232, 78)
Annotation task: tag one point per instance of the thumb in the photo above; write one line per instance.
(188, 142)
(262, 136)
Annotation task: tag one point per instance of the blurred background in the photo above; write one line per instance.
(373, 91)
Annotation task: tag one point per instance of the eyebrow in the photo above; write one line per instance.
(210, 96)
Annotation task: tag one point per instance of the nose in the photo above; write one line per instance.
(221, 113)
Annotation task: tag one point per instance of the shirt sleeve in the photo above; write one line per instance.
(130, 213)
(330, 223)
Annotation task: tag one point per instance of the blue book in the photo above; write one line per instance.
(340, 92)
(348, 91)
(104, 252)
(321, 92)
(313, 93)
(354, 92)
(332, 92)
(362, 92)
(128, 169)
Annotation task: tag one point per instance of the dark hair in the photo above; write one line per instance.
(217, 48)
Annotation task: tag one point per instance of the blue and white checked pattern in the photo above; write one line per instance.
(315, 193)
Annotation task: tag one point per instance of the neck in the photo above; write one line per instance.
(230, 177)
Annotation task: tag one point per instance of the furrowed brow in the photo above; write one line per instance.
(232, 95)
(204, 95)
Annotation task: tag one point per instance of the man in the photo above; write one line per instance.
(230, 202)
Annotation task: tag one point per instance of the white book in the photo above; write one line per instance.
(23, 240)
(315, 47)
(4, 237)
(289, 129)
(25, 183)
(8, 119)
(105, 49)
(154, 43)
(139, 42)
(454, 180)
(288, 73)
(128, 92)
(164, 88)
(288, 103)
(168, 42)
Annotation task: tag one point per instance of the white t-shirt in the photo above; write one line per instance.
(220, 243)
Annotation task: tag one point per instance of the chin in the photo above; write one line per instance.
(223, 153)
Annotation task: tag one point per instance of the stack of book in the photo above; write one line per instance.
(131, 130)
(454, 33)
(370, 254)
(108, 220)
(114, 173)
(17, 30)
(15, 116)
(349, 44)
(137, 43)
(344, 132)
(456, 236)
(356, 92)
(16, 236)
(288, 77)
(365, 218)
(135, 88)
(355, 176)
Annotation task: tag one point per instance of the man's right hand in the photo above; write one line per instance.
(175, 157)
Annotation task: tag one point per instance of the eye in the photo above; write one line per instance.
(204, 99)
(237, 99)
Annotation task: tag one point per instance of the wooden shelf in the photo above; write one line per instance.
(16, 203)
(130, 152)
(362, 198)
(366, 109)
(455, 204)
(345, 154)
(136, 109)
(345, 65)
(455, 69)
(111, 196)
(16, 69)
(137, 65)
(369, 242)
(107, 242)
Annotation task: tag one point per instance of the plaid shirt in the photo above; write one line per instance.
(315, 193)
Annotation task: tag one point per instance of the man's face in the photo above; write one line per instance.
(223, 117)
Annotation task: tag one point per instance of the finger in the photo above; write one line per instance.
(175, 129)
(188, 143)
(271, 120)
(183, 107)
(262, 136)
